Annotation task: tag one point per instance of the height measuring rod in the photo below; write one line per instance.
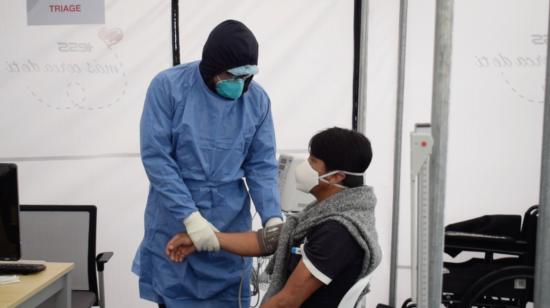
(421, 149)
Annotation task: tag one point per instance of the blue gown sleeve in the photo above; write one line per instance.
(260, 167)
(157, 151)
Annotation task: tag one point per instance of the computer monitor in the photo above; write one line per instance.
(10, 245)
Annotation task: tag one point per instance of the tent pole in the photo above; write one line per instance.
(438, 163)
(175, 33)
(360, 116)
(398, 149)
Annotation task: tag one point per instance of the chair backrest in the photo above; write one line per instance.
(62, 233)
(354, 293)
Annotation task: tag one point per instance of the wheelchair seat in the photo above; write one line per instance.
(490, 282)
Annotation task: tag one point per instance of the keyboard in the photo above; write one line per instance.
(20, 268)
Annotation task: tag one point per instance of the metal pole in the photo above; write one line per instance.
(175, 33)
(542, 264)
(397, 148)
(438, 163)
(101, 290)
(363, 52)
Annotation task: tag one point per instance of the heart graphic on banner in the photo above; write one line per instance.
(110, 36)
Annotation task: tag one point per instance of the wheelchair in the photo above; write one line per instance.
(506, 281)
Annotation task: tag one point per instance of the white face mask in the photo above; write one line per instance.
(307, 177)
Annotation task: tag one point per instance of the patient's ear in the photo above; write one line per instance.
(337, 178)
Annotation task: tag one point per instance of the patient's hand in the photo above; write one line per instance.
(179, 247)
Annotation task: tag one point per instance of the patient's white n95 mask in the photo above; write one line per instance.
(307, 177)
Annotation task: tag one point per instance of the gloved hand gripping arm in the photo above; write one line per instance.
(201, 232)
(260, 243)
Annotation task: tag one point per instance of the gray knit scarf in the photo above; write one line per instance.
(353, 208)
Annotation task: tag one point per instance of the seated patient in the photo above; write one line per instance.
(322, 251)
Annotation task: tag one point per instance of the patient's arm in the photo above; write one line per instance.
(299, 287)
(260, 243)
(243, 244)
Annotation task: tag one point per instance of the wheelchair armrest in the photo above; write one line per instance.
(462, 241)
(103, 258)
(479, 237)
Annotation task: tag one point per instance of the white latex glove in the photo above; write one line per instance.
(273, 221)
(201, 232)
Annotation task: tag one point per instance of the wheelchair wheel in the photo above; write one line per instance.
(504, 288)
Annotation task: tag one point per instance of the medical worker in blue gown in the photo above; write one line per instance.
(205, 127)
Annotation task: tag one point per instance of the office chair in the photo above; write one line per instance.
(66, 233)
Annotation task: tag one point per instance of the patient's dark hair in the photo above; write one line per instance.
(342, 149)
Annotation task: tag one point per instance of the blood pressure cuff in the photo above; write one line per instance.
(268, 239)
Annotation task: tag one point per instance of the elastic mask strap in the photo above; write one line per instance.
(337, 185)
(322, 177)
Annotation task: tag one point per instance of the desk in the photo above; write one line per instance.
(36, 288)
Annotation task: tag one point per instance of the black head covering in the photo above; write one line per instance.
(231, 44)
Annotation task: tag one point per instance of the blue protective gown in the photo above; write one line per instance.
(196, 148)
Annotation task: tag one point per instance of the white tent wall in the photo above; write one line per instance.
(495, 121)
(88, 78)
(306, 58)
